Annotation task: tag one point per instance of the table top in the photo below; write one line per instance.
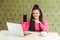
(33, 36)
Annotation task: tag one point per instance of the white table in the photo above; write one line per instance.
(33, 36)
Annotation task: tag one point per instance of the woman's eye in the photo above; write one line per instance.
(36, 13)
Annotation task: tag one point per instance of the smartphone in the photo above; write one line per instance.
(24, 18)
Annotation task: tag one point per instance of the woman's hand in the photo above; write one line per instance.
(37, 21)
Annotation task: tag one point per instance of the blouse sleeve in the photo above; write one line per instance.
(25, 26)
(44, 25)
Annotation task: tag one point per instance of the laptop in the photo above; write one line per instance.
(15, 29)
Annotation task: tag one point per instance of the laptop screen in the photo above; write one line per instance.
(15, 29)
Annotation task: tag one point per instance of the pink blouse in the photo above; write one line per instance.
(44, 26)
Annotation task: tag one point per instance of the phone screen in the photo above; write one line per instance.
(24, 18)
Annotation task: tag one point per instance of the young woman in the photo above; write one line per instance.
(37, 22)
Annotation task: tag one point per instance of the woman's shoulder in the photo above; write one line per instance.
(44, 20)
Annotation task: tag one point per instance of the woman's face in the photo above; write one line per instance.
(36, 14)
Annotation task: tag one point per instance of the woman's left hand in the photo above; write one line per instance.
(37, 21)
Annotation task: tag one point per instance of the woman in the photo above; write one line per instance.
(37, 22)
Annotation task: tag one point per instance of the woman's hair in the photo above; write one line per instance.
(32, 23)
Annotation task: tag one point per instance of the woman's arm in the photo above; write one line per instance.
(25, 26)
(44, 26)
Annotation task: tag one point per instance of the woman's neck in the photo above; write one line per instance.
(36, 20)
